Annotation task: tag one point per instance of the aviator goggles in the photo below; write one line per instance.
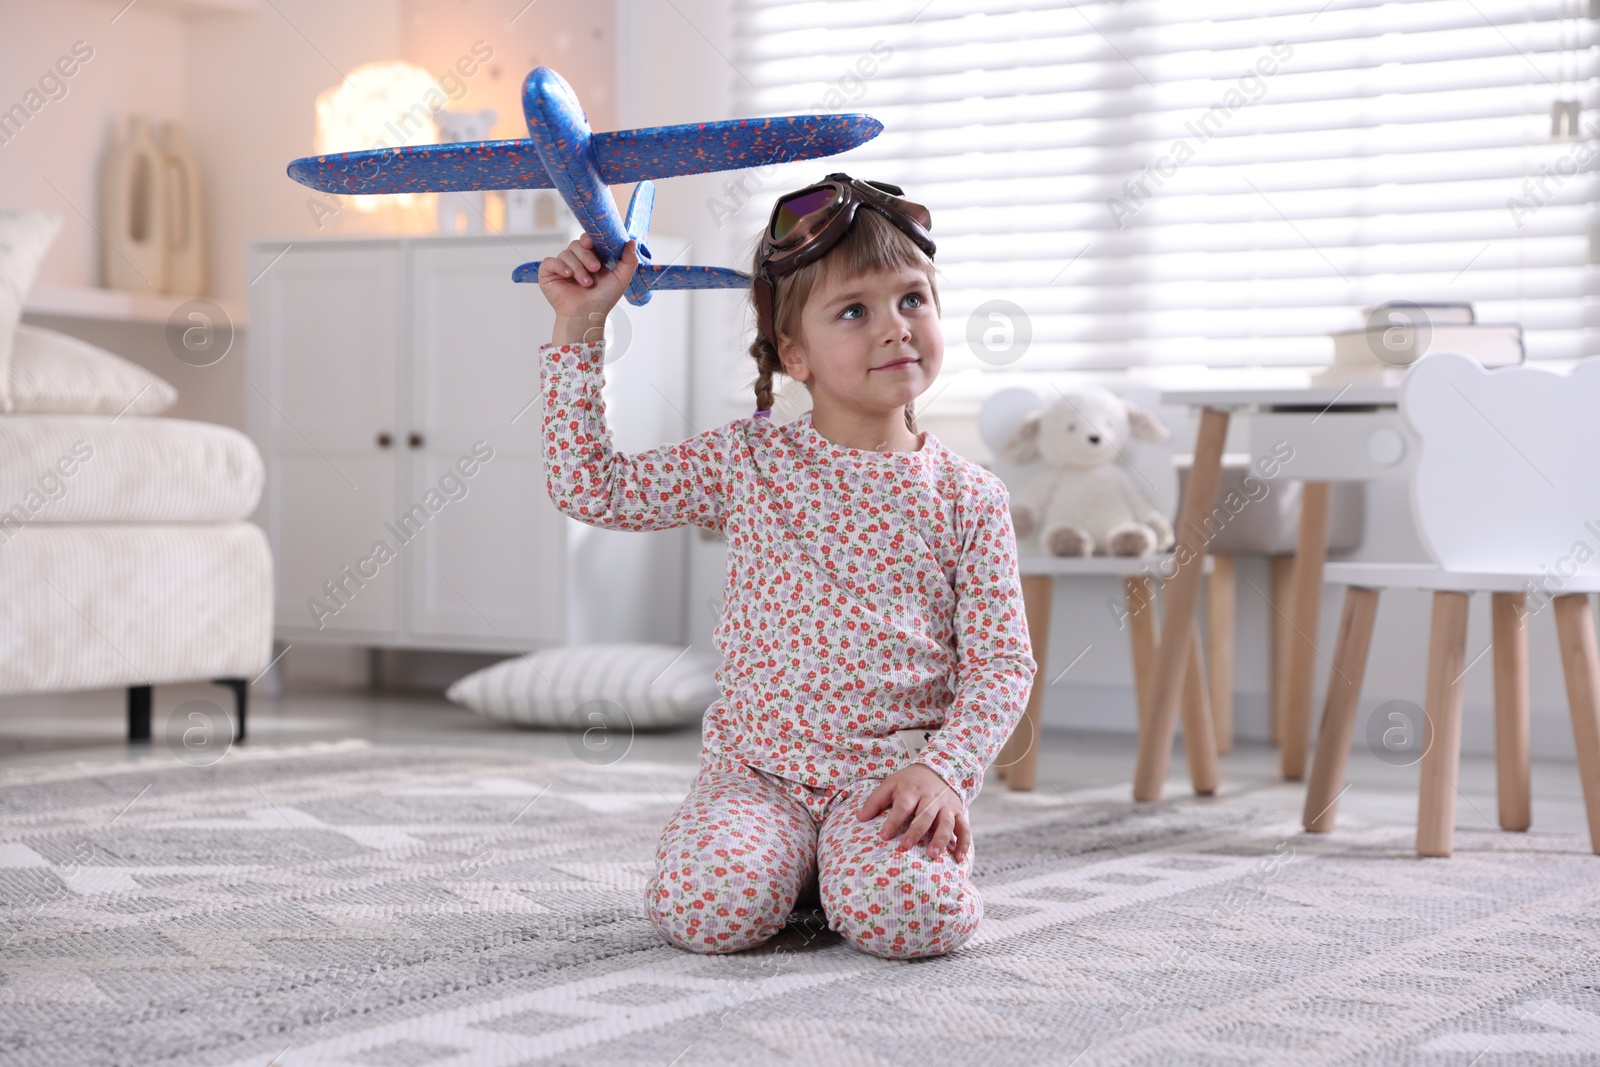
(807, 222)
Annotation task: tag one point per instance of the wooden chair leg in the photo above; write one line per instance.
(1019, 758)
(1220, 602)
(1181, 593)
(1199, 735)
(1310, 554)
(1282, 569)
(1511, 747)
(1575, 630)
(1441, 760)
(1339, 710)
(1140, 593)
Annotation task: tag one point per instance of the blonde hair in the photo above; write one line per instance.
(872, 243)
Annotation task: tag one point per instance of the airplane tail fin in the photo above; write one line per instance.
(648, 277)
(638, 223)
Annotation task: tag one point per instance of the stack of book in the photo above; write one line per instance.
(1399, 333)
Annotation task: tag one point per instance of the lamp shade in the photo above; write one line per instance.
(378, 105)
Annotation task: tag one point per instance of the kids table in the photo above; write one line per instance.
(1336, 433)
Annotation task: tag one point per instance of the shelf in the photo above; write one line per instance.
(199, 7)
(113, 305)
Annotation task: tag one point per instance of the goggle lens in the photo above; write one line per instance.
(793, 209)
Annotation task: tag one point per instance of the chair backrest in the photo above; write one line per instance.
(1508, 472)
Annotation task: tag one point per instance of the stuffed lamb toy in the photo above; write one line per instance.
(1086, 502)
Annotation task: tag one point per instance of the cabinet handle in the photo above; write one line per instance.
(414, 440)
(384, 440)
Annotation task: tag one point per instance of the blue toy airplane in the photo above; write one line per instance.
(562, 153)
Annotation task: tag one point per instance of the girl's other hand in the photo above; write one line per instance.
(919, 801)
(578, 285)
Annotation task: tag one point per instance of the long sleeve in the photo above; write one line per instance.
(995, 666)
(592, 482)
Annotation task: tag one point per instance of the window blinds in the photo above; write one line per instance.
(1167, 182)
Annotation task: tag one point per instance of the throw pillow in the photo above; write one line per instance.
(647, 686)
(54, 374)
(25, 236)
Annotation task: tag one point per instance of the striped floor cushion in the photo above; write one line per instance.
(645, 686)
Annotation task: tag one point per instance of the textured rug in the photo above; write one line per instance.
(357, 906)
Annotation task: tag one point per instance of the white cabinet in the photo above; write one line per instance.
(394, 393)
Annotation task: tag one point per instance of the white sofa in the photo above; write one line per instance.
(125, 559)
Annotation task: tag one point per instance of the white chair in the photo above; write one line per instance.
(1506, 497)
(1018, 761)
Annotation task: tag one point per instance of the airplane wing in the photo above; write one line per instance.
(739, 144)
(459, 167)
(621, 156)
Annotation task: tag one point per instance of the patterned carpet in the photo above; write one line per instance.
(357, 906)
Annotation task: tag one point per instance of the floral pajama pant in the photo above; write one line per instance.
(746, 843)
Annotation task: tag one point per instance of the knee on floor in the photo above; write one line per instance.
(707, 915)
(898, 918)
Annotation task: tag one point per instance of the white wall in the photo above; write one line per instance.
(52, 163)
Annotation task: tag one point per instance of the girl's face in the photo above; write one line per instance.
(869, 344)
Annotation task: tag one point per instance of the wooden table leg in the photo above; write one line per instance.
(1140, 593)
(1282, 590)
(1575, 630)
(1339, 710)
(1306, 603)
(1199, 735)
(1511, 748)
(1019, 759)
(1220, 601)
(1182, 593)
(1441, 760)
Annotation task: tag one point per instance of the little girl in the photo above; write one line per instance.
(876, 656)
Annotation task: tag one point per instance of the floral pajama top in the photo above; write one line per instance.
(867, 592)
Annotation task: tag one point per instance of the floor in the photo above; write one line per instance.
(65, 728)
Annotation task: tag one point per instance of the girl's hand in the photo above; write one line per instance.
(578, 286)
(920, 801)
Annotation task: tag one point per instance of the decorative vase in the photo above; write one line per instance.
(133, 213)
(185, 231)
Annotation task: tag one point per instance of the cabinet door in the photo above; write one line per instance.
(489, 562)
(324, 347)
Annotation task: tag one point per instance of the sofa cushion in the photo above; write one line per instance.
(94, 606)
(92, 468)
(617, 686)
(25, 236)
(54, 374)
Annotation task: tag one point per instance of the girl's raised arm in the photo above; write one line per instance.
(995, 669)
(587, 478)
(594, 483)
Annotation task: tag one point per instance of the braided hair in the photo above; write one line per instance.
(872, 243)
